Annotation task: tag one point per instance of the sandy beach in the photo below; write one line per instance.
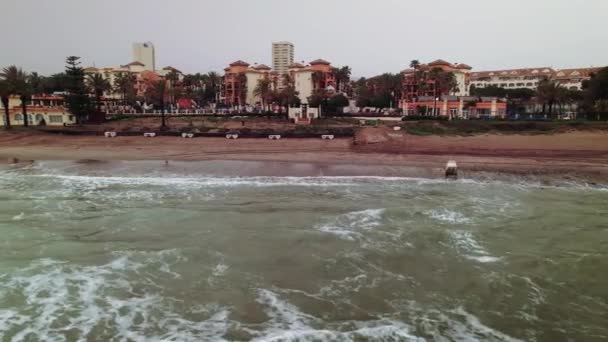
(571, 155)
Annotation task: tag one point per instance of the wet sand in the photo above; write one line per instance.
(570, 156)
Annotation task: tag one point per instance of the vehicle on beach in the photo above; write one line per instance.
(451, 170)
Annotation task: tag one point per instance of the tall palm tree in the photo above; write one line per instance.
(37, 82)
(98, 85)
(548, 93)
(242, 88)
(317, 78)
(263, 89)
(342, 77)
(18, 81)
(124, 83)
(214, 80)
(157, 93)
(5, 94)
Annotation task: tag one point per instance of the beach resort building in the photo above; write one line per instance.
(240, 81)
(316, 76)
(412, 80)
(41, 110)
(511, 78)
(573, 78)
(143, 68)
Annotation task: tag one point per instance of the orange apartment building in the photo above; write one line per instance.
(411, 81)
(241, 78)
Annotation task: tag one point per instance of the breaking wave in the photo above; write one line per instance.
(350, 225)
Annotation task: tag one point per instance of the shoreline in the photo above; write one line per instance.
(567, 157)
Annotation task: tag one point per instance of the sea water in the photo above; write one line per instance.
(134, 251)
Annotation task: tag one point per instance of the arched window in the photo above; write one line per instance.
(18, 117)
(38, 118)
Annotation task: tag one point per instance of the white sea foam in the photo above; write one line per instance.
(93, 296)
(19, 217)
(465, 242)
(350, 225)
(473, 330)
(448, 216)
(287, 323)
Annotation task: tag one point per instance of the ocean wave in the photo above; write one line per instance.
(448, 216)
(465, 242)
(287, 323)
(350, 225)
(58, 296)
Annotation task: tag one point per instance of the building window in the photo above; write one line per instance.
(529, 84)
(56, 118)
(18, 117)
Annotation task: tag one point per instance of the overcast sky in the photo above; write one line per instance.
(371, 36)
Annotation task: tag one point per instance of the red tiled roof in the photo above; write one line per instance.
(462, 66)
(170, 68)
(239, 63)
(542, 71)
(136, 63)
(262, 67)
(319, 61)
(575, 73)
(439, 62)
(296, 65)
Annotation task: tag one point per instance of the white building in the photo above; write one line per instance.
(282, 56)
(144, 53)
(512, 78)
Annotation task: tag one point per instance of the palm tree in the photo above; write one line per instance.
(342, 76)
(242, 86)
(317, 78)
(124, 83)
(37, 82)
(289, 95)
(214, 80)
(18, 81)
(156, 93)
(548, 93)
(263, 89)
(5, 94)
(98, 85)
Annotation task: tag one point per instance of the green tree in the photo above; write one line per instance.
(288, 96)
(595, 92)
(336, 103)
(17, 81)
(77, 99)
(156, 94)
(124, 83)
(263, 89)
(98, 85)
(5, 94)
(342, 77)
(548, 93)
(55, 82)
